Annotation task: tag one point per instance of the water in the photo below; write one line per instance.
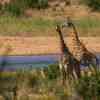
(28, 62)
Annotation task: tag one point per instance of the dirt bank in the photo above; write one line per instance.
(40, 45)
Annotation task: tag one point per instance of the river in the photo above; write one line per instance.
(13, 63)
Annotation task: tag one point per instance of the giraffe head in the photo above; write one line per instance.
(69, 27)
(67, 23)
(58, 28)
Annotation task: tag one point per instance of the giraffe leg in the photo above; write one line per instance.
(60, 68)
(87, 63)
(96, 63)
(93, 64)
(70, 72)
(63, 73)
(77, 70)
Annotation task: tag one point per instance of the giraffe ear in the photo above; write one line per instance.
(57, 28)
(69, 21)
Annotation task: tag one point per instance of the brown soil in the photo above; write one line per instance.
(40, 45)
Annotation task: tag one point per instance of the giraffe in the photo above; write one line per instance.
(80, 52)
(67, 63)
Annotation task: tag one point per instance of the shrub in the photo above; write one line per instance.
(89, 87)
(42, 3)
(32, 3)
(93, 4)
(53, 72)
(0, 7)
(36, 3)
(27, 79)
(17, 7)
(13, 8)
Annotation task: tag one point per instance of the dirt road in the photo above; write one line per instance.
(40, 45)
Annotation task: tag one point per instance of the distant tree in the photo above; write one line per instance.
(93, 4)
(68, 2)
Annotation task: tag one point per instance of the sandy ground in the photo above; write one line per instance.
(40, 45)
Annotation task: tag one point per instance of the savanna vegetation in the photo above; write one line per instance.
(45, 84)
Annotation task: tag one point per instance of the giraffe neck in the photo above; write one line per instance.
(62, 43)
(74, 34)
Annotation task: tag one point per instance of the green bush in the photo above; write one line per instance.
(42, 3)
(88, 87)
(36, 3)
(93, 4)
(17, 7)
(53, 72)
(12, 9)
(0, 7)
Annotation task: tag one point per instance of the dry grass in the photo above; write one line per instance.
(41, 89)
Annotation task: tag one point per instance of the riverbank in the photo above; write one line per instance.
(40, 45)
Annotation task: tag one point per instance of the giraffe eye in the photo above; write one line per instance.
(69, 24)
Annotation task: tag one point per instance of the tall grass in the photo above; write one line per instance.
(31, 84)
(88, 87)
(35, 86)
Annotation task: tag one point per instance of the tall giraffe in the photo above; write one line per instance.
(68, 63)
(79, 51)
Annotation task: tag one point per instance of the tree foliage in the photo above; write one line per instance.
(93, 4)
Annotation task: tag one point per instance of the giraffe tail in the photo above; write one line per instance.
(97, 63)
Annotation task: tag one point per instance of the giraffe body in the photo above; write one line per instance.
(68, 63)
(79, 51)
